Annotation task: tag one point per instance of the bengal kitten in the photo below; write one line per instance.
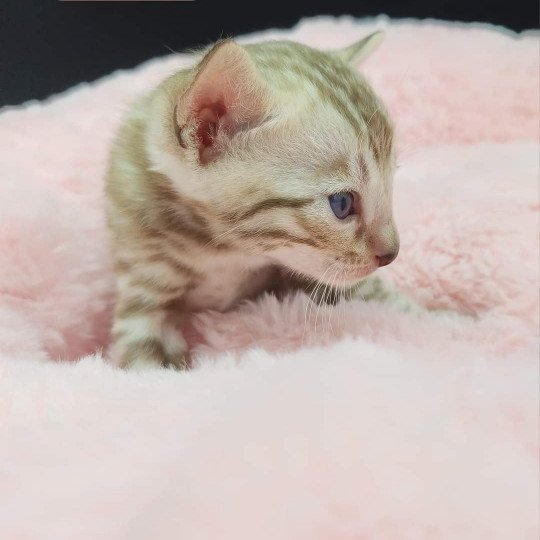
(264, 166)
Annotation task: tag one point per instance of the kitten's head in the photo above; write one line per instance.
(290, 150)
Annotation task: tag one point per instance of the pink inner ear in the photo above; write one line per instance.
(208, 122)
(225, 98)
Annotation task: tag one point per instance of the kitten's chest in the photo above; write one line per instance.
(226, 280)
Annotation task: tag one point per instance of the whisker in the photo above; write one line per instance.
(320, 307)
(312, 296)
(322, 301)
(331, 312)
(342, 301)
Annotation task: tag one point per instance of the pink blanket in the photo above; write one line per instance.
(349, 422)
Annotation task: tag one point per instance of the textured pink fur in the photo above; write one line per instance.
(349, 422)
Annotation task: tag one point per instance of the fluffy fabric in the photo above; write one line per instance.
(345, 422)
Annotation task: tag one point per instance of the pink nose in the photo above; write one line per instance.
(384, 243)
(387, 258)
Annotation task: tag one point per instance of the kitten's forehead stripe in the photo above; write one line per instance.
(337, 167)
(337, 84)
(364, 169)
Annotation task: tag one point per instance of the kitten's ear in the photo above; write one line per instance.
(355, 53)
(226, 96)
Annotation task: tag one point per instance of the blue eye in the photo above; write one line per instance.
(342, 204)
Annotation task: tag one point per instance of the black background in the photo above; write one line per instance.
(47, 46)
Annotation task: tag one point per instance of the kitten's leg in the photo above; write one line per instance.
(147, 340)
(375, 288)
(144, 331)
(372, 289)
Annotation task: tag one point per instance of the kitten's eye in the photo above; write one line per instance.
(342, 204)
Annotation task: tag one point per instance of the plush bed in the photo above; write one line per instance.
(347, 422)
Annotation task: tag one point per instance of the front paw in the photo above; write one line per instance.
(150, 353)
(140, 363)
(144, 363)
(376, 289)
(179, 362)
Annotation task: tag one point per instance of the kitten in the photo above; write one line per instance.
(261, 163)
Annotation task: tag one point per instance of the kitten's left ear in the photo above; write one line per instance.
(355, 53)
(226, 96)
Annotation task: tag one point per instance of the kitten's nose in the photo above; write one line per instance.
(387, 258)
(384, 243)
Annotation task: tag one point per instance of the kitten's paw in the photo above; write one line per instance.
(141, 364)
(139, 356)
(371, 288)
(377, 289)
(142, 351)
(144, 363)
(179, 362)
